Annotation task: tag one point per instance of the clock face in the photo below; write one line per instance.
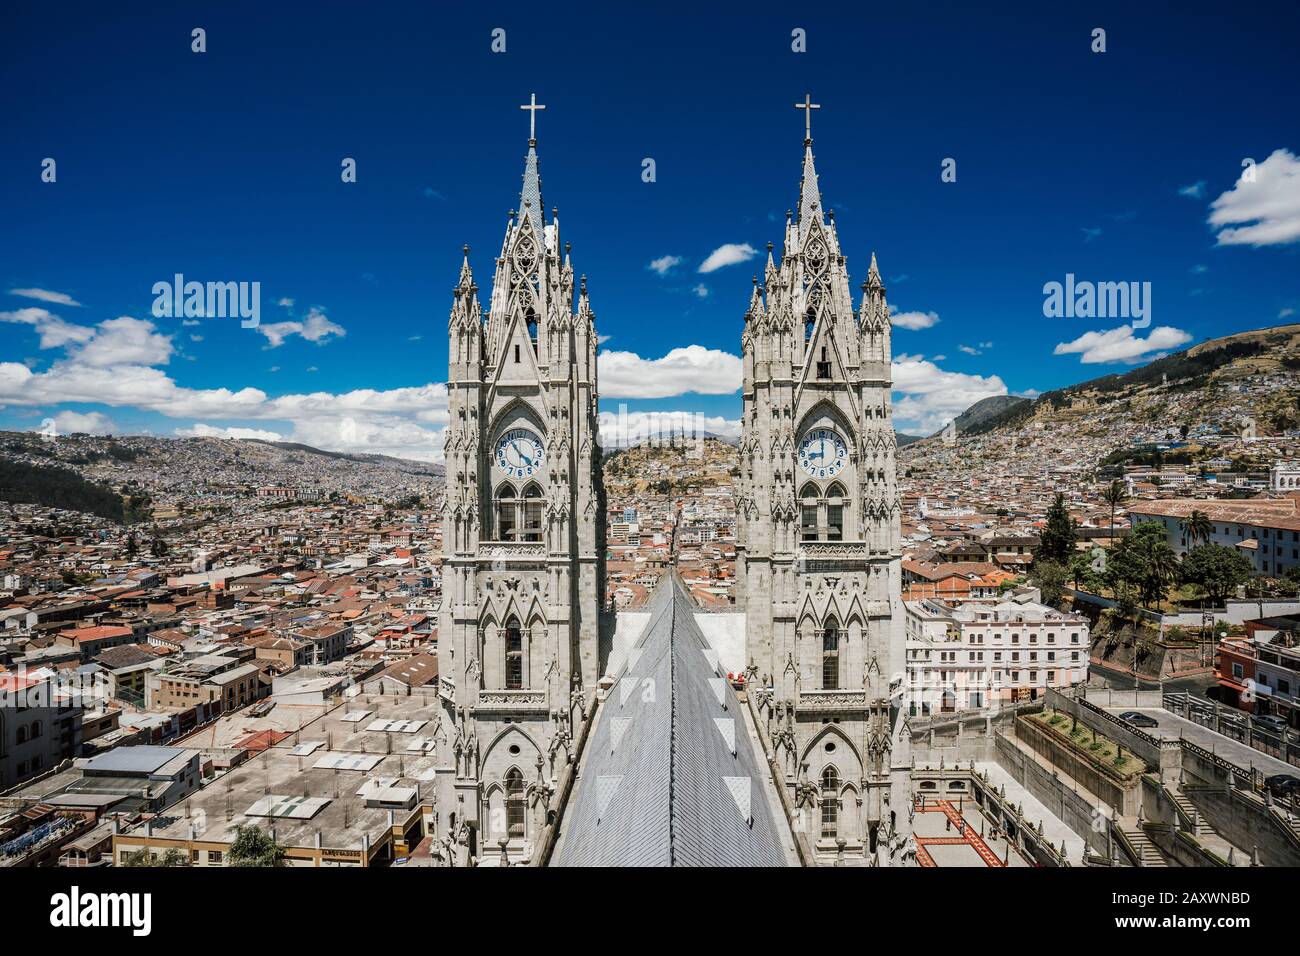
(823, 453)
(520, 453)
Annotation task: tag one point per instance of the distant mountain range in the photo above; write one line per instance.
(1249, 381)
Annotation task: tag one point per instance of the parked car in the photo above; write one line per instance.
(1138, 720)
(1283, 785)
(1272, 722)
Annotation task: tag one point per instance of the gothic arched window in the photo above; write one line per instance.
(835, 498)
(532, 516)
(515, 804)
(809, 322)
(530, 317)
(514, 655)
(506, 508)
(808, 524)
(831, 655)
(830, 803)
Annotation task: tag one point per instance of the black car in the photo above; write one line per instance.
(1138, 720)
(1283, 785)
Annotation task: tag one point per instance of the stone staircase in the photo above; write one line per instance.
(1189, 811)
(1147, 854)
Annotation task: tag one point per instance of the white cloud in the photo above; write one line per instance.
(664, 264)
(92, 423)
(914, 320)
(701, 290)
(1286, 313)
(690, 369)
(968, 349)
(54, 332)
(201, 430)
(316, 327)
(1265, 212)
(286, 302)
(111, 342)
(1195, 191)
(728, 254)
(124, 341)
(931, 396)
(45, 295)
(1121, 345)
(623, 428)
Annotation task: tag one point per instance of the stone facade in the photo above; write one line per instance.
(818, 540)
(523, 571)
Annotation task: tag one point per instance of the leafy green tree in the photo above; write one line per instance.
(145, 857)
(1218, 569)
(1051, 579)
(253, 846)
(1057, 541)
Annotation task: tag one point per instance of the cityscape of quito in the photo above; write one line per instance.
(1063, 631)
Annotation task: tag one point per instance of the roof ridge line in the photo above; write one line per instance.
(672, 718)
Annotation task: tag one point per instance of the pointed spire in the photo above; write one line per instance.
(530, 196)
(873, 273)
(466, 275)
(810, 200)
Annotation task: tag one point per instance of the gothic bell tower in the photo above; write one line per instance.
(523, 537)
(818, 540)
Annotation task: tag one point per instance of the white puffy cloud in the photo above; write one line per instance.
(623, 428)
(316, 327)
(1265, 212)
(929, 396)
(1121, 345)
(91, 423)
(124, 341)
(728, 254)
(54, 332)
(701, 291)
(690, 369)
(45, 295)
(1195, 191)
(201, 430)
(664, 264)
(914, 320)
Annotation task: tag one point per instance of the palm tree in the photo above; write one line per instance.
(1114, 495)
(1165, 566)
(1196, 526)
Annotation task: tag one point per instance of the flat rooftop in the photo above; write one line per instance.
(311, 792)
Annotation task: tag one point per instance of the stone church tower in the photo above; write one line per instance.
(818, 542)
(523, 546)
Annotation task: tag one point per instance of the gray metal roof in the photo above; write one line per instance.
(670, 776)
(142, 759)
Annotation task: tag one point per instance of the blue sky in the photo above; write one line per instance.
(225, 166)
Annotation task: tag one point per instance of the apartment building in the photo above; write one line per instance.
(977, 656)
(211, 678)
(1266, 530)
(39, 727)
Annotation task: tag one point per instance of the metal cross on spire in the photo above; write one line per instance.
(532, 106)
(807, 106)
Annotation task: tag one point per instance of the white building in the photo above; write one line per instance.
(1284, 476)
(976, 656)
